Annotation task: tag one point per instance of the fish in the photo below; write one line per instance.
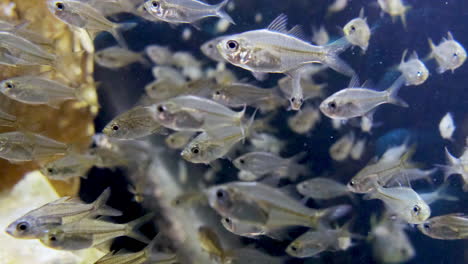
(456, 166)
(22, 31)
(88, 233)
(278, 50)
(355, 102)
(337, 6)
(403, 202)
(357, 31)
(38, 91)
(314, 242)
(69, 167)
(358, 149)
(61, 211)
(193, 113)
(160, 55)
(8, 120)
(168, 73)
(17, 50)
(310, 89)
(186, 11)
(305, 120)
(263, 163)
(394, 8)
(320, 36)
(414, 70)
(389, 241)
(446, 227)
(135, 123)
(116, 57)
(341, 149)
(441, 193)
(322, 188)
(449, 54)
(447, 126)
(262, 205)
(210, 50)
(179, 139)
(26, 146)
(266, 142)
(83, 15)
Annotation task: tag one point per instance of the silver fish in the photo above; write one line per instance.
(20, 51)
(68, 167)
(179, 139)
(394, 8)
(117, 57)
(322, 188)
(277, 50)
(37, 90)
(357, 31)
(446, 227)
(354, 102)
(414, 70)
(305, 120)
(62, 211)
(449, 54)
(186, 11)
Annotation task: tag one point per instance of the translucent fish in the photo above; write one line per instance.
(305, 120)
(456, 166)
(160, 55)
(310, 89)
(244, 229)
(62, 211)
(37, 90)
(186, 11)
(20, 51)
(193, 113)
(394, 8)
(317, 241)
(354, 102)
(263, 163)
(117, 57)
(262, 205)
(337, 6)
(447, 126)
(179, 139)
(414, 70)
(22, 31)
(266, 142)
(446, 227)
(82, 14)
(320, 36)
(441, 193)
(449, 54)
(277, 50)
(21, 147)
(322, 188)
(68, 167)
(357, 31)
(88, 233)
(135, 123)
(341, 149)
(403, 202)
(358, 149)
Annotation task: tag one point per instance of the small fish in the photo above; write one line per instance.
(358, 149)
(160, 55)
(8, 120)
(305, 120)
(21, 147)
(341, 149)
(21, 51)
(390, 243)
(354, 102)
(449, 54)
(394, 8)
(83, 15)
(117, 57)
(179, 139)
(322, 188)
(404, 202)
(263, 163)
(193, 113)
(447, 127)
(266, 142)
(446, 227)
(210, 50)
(357, 31)
(337, 6)
(88, 233)
(135, 123)
(278, 50)
(310, 89)
(457, 166)
(317, 241)
(320, 36)
(37, 91)
(262, 205)
(438, 194)
(22, 31)
(414, 70)
(62, 211)
(186, 11)
(68, 167)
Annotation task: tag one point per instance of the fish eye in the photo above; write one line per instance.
(242, 161)
(195, 150)
(155, 4)
(217, 92)
(50, 170)
(294, 248)
(161, 108)
(115, 127)
(332, 105)
(419, 73)
(23, 226)
(210, 46)
(220, 194)
(59, 6)
(227, 220)
(455, 54)
(53, 238)
(9, 85)
(232, 45)
(416, 209)
(353, 28)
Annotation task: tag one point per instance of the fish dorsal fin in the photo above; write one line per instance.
(367, 84)
(403, 57)
(354, 83)
(414, 56)
(361, 13)
(297, 32)
(279, 24)
(450, 36)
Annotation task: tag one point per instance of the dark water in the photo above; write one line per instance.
(429, 102)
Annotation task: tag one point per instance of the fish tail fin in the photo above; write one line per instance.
(100, 207)
(131, 228)
(333, 213)
(432, 46)
(392, 92)
(117, 32)
(451, 168)
(247, 128)
(219, 8)
(332, 60)
(442, 193)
